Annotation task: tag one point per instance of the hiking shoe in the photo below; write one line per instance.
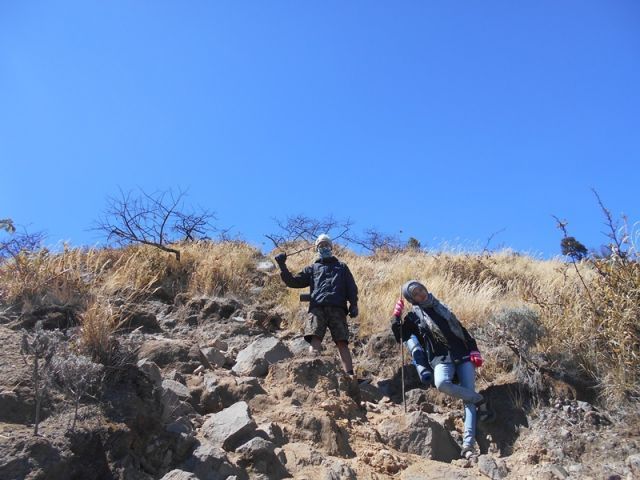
(466, 452)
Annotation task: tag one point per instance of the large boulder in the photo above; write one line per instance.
(140, 318)
(221, 390)
(179, 475)
(317, 428)
(419, 434)
(258, 455)
(175, 397)
(230, 427)
(214, 357)
(254, 360)
(151, 371)
(208, 462)
(179, 354)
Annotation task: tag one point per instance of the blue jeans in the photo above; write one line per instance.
(443, 375)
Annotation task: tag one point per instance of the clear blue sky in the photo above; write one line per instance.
(448, 121)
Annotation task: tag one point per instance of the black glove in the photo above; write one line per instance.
(396, 326)
(280, 259)
(353, 311)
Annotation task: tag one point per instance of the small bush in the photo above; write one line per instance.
(76, 376)
(520, 326)
(40, 346)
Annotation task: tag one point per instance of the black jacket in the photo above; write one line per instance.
(437, 347)
(330, 282)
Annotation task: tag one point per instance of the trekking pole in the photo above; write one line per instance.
(300, 251)
(404, 399)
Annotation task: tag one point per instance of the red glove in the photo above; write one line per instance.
(397, 311)
(476, 358)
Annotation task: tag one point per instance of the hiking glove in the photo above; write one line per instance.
(476, 358)
(353, 311)
(280, 259)
(396, 326)
(397, 311)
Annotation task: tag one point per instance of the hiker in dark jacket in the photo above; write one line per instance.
(333, 294)
(433, 333)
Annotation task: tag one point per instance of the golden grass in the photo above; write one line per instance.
(592, 319)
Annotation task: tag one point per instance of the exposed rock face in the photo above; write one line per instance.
(51, 316)
(39, 457)
(181, 412)
(168, 352)
(141, 319)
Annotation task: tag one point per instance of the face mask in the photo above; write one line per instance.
(325, 252)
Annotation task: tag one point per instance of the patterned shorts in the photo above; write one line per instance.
(321, 317)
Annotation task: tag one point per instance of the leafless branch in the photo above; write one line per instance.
(21, 242)
(149, 219)
(485, 249)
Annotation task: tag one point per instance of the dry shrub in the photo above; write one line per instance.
(135, 270)
(594, 327)
(33, 279)
(220, 268)
(98, 324)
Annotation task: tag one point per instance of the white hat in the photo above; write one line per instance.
(324, 238)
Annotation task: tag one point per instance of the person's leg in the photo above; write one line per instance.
(443, 375)
(419, 357)
(315, 345)
(314, 330)
(466, 374)
(345, 356)
(337, 323)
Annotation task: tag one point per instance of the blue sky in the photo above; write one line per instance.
(448, 121)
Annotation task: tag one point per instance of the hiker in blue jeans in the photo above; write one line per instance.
(442, 349)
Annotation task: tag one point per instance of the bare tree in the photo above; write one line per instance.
(485, 249)
(303, 229)
(23, 241)
(152, 219)
(374, 240)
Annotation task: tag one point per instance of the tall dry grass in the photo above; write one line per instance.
(589, 311)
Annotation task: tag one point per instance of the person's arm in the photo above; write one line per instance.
(299, 280)
(408, 327)
(470, 341)
(352, 293)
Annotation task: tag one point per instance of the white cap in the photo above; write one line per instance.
(324, 238)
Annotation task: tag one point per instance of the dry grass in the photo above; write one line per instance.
(591, 320)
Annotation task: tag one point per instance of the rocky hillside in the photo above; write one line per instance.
(197, 383)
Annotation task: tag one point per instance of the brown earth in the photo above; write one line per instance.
(323, 424)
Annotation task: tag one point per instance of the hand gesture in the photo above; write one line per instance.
(397, 311)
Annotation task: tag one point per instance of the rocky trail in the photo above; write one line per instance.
(215, 389)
